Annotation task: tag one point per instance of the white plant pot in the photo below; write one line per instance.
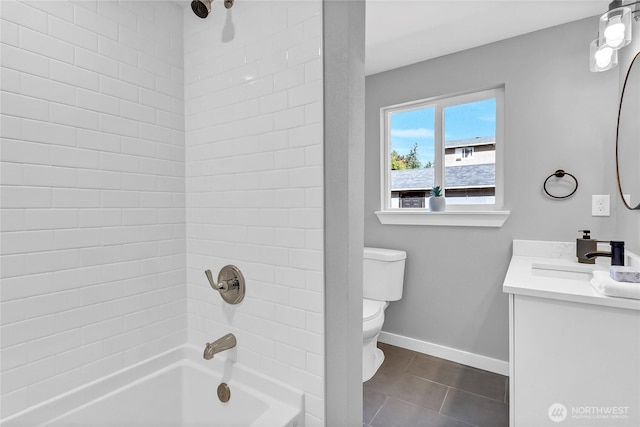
(437, 204)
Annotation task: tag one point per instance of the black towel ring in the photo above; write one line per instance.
(560, 174)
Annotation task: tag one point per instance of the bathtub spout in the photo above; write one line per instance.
(221, 344)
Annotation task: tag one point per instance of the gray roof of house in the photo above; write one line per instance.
(470, 142)
(483, 175)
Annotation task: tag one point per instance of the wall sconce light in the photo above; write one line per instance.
(614, 33)
(603, 57)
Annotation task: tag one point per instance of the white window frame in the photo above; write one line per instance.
(487, 215)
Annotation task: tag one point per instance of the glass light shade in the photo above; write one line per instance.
(615, 27)
(602, 57)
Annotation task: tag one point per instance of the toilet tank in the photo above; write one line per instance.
(383, 274)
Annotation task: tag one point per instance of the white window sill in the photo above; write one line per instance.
(446, 218)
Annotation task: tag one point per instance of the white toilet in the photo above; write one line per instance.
(383, 279)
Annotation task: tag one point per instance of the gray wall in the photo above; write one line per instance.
(629, 221)
(558, 115)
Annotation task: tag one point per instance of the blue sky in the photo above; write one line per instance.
(461, 122)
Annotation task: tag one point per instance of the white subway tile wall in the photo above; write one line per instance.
(93, 203)
(253, 114)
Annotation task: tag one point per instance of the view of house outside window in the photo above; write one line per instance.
(449, 142)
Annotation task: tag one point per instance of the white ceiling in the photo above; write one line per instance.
(403, 32)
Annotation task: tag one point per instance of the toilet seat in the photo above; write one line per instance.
(371, 309)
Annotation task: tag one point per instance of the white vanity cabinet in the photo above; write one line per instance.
(574, 354)
(582, 356)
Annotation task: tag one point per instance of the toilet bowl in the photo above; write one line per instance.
(383, 278)
(372, 321)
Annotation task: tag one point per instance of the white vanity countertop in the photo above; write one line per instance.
(522, 279)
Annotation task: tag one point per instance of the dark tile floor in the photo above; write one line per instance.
(416, 390)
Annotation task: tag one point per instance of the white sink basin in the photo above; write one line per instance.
(569, 272)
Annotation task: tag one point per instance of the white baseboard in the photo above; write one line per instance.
(460, 356)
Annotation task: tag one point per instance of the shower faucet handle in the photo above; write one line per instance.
(230, 283)
(222, 285)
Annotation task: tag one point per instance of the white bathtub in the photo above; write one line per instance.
(177, 388)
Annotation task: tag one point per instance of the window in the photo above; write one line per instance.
(453, 142)
(463, 153)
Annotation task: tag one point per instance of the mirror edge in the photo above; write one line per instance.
(624, 86)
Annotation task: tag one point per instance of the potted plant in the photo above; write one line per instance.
(437, 201)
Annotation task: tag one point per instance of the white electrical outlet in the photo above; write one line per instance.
(600, 205)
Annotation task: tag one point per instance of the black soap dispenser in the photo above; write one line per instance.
(584, 245)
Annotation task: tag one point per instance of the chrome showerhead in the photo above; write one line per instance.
(201, 8)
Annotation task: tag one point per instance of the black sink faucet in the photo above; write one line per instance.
(616, 254)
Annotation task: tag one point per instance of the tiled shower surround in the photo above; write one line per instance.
(93, 243)
(253, 114)
(111, 210)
